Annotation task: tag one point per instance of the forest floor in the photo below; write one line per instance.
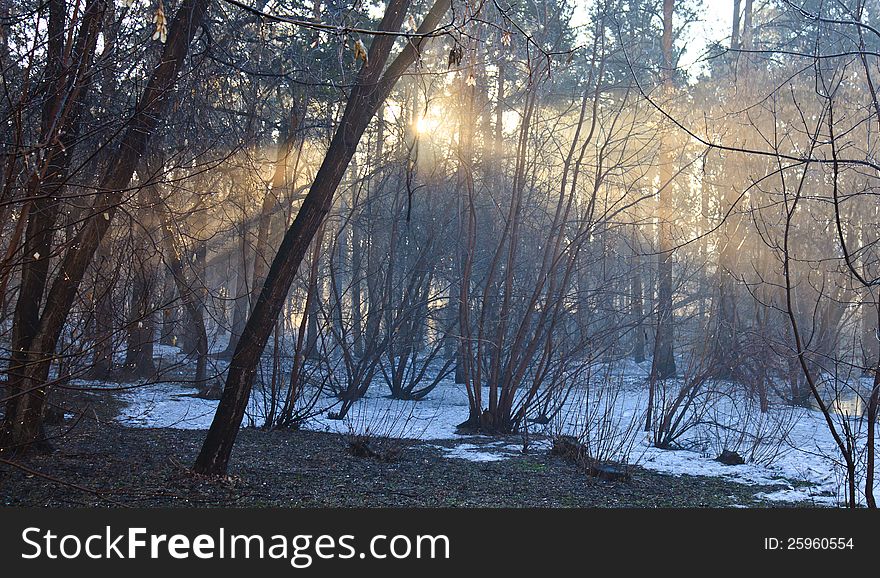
(98, 462)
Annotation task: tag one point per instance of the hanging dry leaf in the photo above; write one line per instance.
(161, 32)
(360, 51)
(455, 56)
(412, 23)
(505, 38)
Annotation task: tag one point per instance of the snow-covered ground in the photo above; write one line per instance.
(787, 447)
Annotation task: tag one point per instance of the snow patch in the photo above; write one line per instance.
(805, 463)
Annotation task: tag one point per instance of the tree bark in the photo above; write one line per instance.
(102, 308)
(142, 310)
(241, 297)
(664, 359)
(272, 197)
(370, 90)
(22, 425)
(68, 80)
(189, 290)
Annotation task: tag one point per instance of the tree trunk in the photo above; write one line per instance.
(240, 299)
(637, 310)
(23, 423)
(370, 90)
(102, 307)
(312, 351)
(195, 297)
(728, 340)
(142, 311)
(69, 86)
(272, 197)
(189, 291)
(664, 360)
(141, 327)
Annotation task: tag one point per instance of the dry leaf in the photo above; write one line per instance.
(161, 32)
(455, 56)
(360, 51)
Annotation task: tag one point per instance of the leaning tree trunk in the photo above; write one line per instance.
(22, 424)
(370, 90)
(59, 125)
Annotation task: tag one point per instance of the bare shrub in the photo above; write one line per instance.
(599, 417)
(736, 422)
